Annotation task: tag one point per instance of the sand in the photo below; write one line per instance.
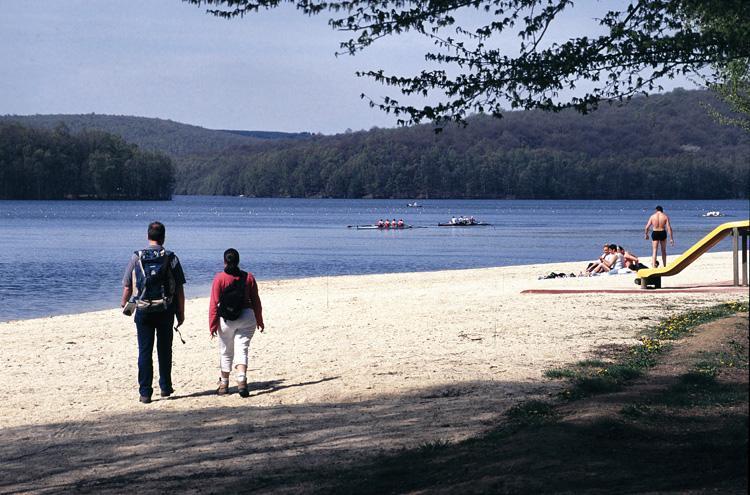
(347, 366)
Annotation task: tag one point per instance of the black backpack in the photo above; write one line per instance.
(154, 280)
(232, 298)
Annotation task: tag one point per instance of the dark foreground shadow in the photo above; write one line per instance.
(354, 448)
(257, 388)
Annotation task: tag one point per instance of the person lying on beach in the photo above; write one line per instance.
(234, 312)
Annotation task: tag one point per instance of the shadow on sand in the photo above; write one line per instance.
(359, 447)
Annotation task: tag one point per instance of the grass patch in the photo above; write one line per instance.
(636, 410)
(594, 376)
(591, 363)
(531, 412)
(700, 389)
(677, 326)
(557, 373)
(432, 448)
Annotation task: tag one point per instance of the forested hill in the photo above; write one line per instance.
(664, 146)
(151, 134)
(55, 164)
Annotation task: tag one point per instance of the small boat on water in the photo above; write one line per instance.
(457, 224)
(376, 227)
(463, 221)
(713, 214)
(414, 205)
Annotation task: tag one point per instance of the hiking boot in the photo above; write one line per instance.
(146, 399)
(223, 388)
(242, 389)
(167, 393)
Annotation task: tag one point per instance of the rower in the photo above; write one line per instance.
(380, 223)
(400, 223)
(386, 224)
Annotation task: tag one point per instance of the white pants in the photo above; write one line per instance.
(234, 339)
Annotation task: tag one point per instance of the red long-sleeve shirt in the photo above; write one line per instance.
(252, 300)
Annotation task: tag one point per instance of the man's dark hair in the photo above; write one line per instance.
(659, 208)
(156, 232)
(613, 247)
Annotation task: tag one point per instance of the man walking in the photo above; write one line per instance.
(659, 223)
(154, 279)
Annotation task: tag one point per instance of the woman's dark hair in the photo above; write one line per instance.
(232, 260)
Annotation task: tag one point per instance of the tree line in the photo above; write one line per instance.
(659, 147)
(55, 164)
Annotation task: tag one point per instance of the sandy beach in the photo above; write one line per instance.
(348, 366)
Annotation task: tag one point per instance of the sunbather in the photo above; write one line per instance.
(610, 261)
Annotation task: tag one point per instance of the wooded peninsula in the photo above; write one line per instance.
(663, 146)
(55, 164)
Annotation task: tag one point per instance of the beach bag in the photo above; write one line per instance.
(154, 280)
(232, 298)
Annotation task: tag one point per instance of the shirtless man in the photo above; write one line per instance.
(659, 223)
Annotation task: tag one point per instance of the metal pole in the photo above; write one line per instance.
(744, 258)
(735, 260)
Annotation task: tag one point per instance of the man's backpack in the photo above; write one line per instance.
(154, 280)
(232, 298)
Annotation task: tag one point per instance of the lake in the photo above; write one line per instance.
(59, 257)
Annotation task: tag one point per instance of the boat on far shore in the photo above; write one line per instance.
(414, 205)
(714, 213)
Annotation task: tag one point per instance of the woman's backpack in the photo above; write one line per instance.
(232, 298)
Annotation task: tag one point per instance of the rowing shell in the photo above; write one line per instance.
(375, 227)
(480, 224)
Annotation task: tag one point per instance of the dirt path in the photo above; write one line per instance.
(682, 428)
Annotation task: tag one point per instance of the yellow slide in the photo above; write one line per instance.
(652, 276)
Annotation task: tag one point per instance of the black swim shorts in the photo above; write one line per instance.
(659, 235)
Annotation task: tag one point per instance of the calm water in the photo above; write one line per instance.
(64, 257)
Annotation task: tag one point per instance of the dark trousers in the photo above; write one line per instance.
(158, 326)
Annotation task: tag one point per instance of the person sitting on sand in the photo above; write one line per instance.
(234, 334)
(629, 258)
(619, 267)
(610, 261)
(593, 264)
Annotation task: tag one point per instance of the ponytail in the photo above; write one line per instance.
(232, 261)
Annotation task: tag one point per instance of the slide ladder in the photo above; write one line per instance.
(650, 278)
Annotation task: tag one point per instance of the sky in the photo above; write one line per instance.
(274, 71)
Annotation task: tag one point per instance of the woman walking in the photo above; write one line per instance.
(234, 313)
